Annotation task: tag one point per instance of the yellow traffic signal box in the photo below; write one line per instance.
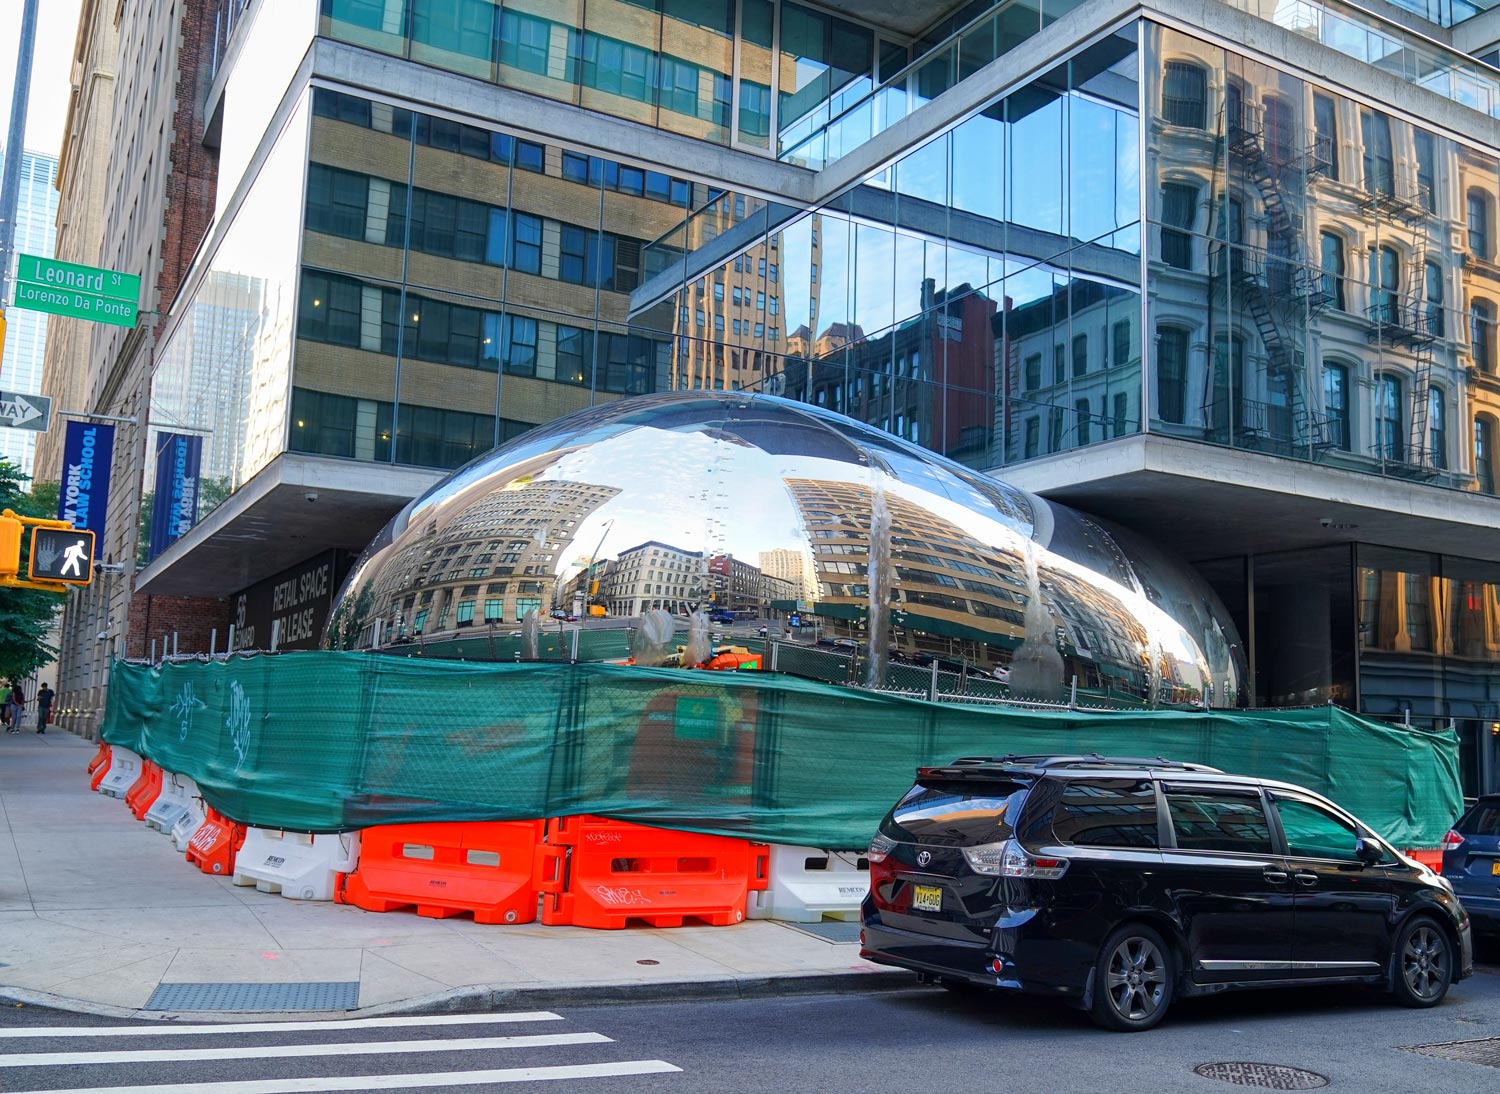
(64, 555)
(10, 546)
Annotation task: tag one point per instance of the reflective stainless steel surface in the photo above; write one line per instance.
(764, 508)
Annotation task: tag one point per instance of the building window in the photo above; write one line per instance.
(1426, 169)
(1326, 141)
(1179, 211)
(1122, 413)
(1484, 454)
(1184, 95)
(1171, 374)
(1033, 436)
(1278, 129)
(1080, 354)
(1481, 331)
(1388, 444)
(336, 201)
(1386, 285)
(1336, 405)
(1434, 293)
(1479, 224)
(1055, 429)
(1332, 250)
(1085, 420)
(1379, 161)
(1437, 429)
(330, 309)
(518, 346)
(1120, 351)
(1059, 364)
(1033, 371)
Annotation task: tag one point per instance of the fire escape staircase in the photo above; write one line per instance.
(1276, 281)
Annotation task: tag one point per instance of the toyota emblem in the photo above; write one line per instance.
(924, 857)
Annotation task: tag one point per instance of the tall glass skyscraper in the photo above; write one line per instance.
(26, 331)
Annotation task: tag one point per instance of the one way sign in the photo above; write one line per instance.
(20, 411)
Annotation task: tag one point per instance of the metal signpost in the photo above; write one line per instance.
(81, 292)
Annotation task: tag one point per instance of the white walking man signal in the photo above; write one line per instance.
(73, 558)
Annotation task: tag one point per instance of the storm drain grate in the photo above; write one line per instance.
(829, 930)
(309, 995)
(1485, 1051)
(1268, 1076)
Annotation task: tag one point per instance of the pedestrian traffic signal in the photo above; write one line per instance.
(65, 555)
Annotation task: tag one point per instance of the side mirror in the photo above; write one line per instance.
(1368, 851)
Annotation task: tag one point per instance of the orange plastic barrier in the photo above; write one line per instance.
(214, 845)
(615, 871)
(145, 790)
(1429, 857)
(101, 771)
(487, 868)
(100, 758)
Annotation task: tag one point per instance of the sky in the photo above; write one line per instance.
(56, 29)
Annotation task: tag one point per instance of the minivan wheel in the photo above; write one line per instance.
(1424, 964)
(1133, 979)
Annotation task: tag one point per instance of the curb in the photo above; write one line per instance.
(477, 999)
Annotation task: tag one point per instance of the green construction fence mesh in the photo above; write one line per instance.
(325, 741)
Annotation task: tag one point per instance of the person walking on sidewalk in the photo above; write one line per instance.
(44, 697)
(14, 706)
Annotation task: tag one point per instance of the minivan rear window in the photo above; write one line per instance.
(958, 814)
(1482, 820)
(1106, 813)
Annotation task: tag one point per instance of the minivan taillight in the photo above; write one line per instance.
(1009, 859)
(880, 847)
(1452, 840)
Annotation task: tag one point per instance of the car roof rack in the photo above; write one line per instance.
(967, 764)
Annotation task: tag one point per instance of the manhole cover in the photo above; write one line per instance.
(1269, 1076)
(1485, 1051)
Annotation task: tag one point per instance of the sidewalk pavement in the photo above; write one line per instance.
(97, 912)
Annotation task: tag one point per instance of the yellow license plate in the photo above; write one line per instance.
(927, 898)
(1495, 867)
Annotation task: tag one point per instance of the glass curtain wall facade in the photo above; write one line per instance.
(1324, 273)
(980, 296)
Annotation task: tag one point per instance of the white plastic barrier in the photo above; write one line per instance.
(124, 769)
(188, 824)
(175, 800)
(295, 864)
(808, 885)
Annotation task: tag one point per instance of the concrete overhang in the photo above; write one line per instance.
(1210, 502)
(898, 16)
(270, 524)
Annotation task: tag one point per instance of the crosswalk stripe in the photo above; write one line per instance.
(159, 1029)
(353, 1048)
(391, 1082)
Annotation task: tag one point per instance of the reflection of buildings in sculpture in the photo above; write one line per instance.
(1069, 365)
(737, 586)
(947, 584)
(793, 565)
(654, 575)
(493, 562)
(928, 380)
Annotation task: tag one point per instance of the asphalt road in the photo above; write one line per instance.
(923, 1040)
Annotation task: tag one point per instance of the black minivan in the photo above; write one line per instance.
(1119, 884)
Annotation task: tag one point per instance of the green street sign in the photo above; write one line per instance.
(78, 305)
(52, 274)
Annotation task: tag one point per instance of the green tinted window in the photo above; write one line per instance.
(1312, 832)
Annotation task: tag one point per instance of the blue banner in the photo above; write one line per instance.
(88, 453)
(174, 509)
